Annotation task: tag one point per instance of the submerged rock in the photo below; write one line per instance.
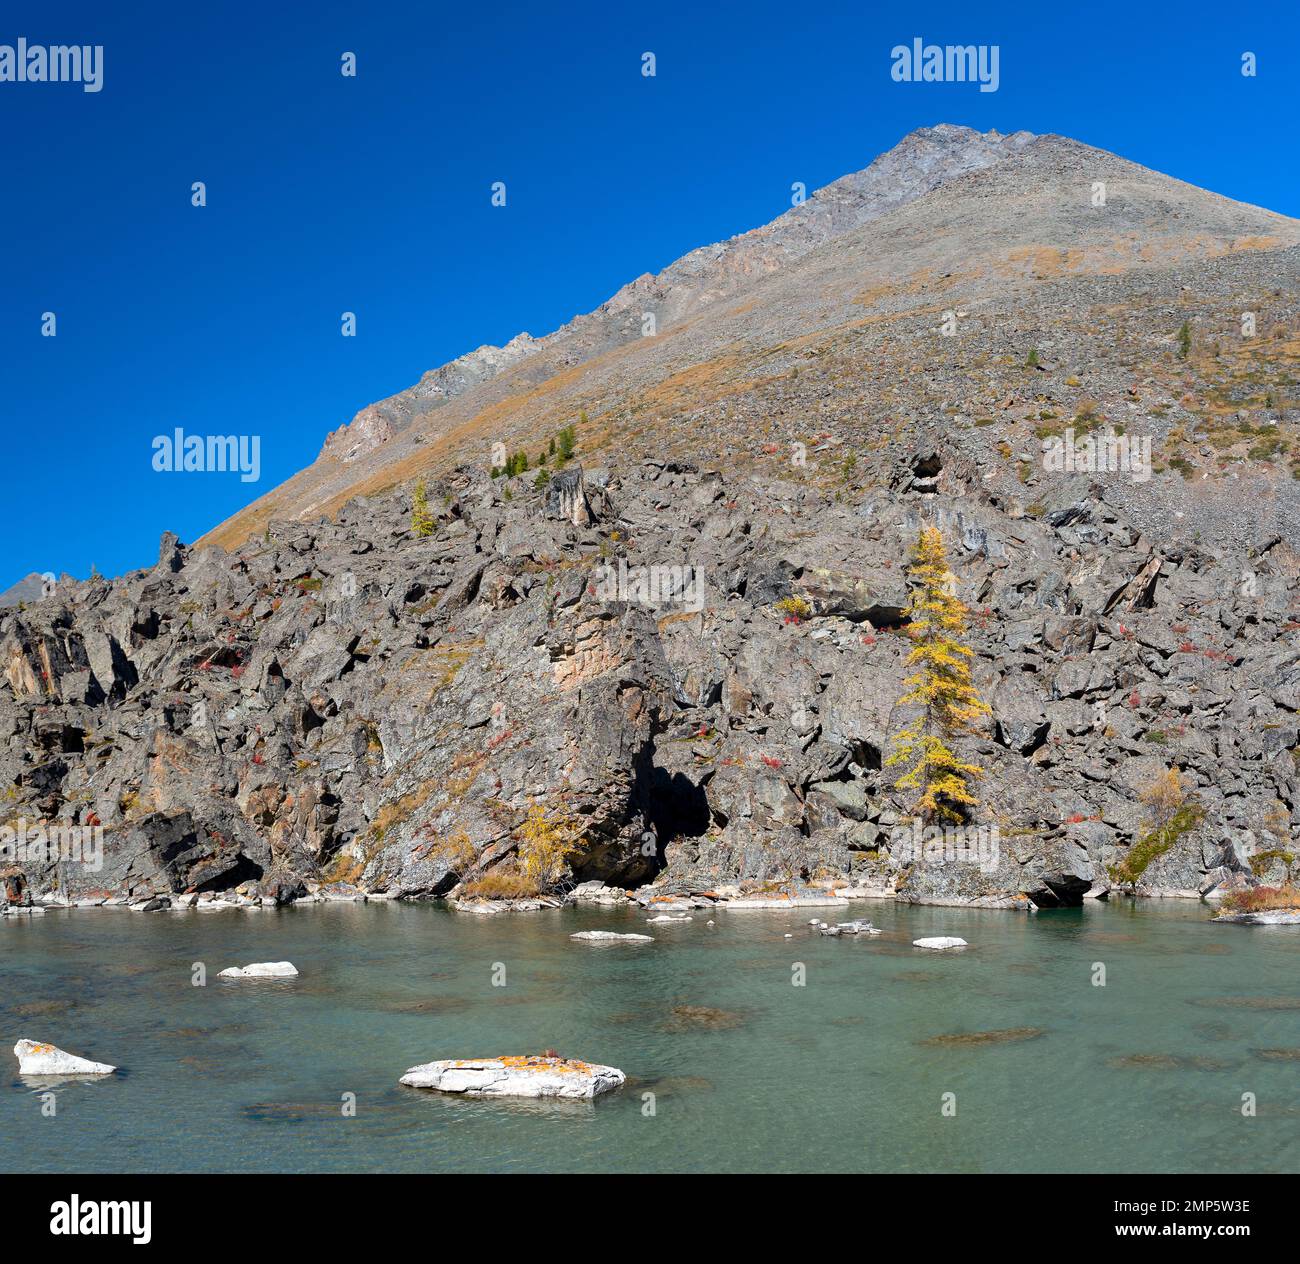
(701, 1017)
(939, 942)
(261, 970)
(608, 936)
(961, 1039)
(858, 927)
(527, 1076)
(1267, 917)
(35, 1058)
(1146, 1062)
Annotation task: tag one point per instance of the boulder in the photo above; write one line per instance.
(261, 970)
(939, 943)
(598, 893)
(609, 936)
(35, 1058)
(527, 1076)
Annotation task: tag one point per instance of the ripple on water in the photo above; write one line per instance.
(669, 1085)
(424, 1005)
(42, 1009)
(1250, 1002)
(204, 1033)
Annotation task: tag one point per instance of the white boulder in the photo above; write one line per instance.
(528, 1076)
(35, 1058)
(609, 936)
(261, 970)
(939, 943)
(785, 902)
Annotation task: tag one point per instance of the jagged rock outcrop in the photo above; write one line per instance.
(352, 703)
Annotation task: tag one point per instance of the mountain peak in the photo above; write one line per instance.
(947, 207)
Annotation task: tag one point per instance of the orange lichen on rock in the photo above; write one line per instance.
(530, 1062)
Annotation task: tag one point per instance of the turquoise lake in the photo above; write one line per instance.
(846, 1073)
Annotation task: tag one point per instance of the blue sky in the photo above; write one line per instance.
(372, 195)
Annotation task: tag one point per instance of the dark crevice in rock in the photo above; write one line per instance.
(678, 807)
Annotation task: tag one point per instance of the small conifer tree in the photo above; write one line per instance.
(422, 521)
(941, 687)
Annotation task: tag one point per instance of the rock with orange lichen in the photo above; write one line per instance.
(37, 1058)
(531, 1075)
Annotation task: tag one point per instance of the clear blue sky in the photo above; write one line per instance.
(372, 195)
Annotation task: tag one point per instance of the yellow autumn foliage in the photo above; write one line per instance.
(549, 840)
(940, 686)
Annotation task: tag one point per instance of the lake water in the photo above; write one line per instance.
(846, 1073)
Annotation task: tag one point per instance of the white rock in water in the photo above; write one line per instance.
(670, 917)
(35, 1058)
(939, 942)
(261, 970)
(605, 936)
(515, 1077)
(1266, 917)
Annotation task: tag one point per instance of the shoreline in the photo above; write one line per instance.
(676, 907)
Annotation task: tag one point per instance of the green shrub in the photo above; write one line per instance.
(1153, 844)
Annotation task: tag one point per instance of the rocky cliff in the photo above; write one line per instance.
(687, 645)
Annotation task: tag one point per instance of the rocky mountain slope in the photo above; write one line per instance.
(29, 588)
(321, 695)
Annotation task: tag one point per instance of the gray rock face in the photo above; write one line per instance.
(29, 588)
(353, 704)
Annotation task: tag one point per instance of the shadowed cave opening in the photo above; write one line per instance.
(677, 806)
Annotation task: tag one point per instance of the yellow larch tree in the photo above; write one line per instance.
(940, 686)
